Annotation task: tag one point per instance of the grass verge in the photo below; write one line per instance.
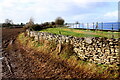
(85, 69)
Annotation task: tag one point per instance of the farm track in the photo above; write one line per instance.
(20, 62)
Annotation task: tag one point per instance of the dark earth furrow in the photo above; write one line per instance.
(26, 63)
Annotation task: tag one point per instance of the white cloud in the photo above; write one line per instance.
(86, 18)
(112, 14)
(79, 17)
(22, 10)
(18, 9)
(84, 1)
(108, 17)
(93, 17)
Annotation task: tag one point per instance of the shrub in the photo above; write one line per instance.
(59, 21)
(6, 25)
(36, 27)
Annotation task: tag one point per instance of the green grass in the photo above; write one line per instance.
(67, 54)
(81, 33)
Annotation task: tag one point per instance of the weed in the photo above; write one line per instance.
(86, 68)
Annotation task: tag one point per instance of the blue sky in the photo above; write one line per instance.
(70, 10)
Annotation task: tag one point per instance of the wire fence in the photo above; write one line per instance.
(113, 26)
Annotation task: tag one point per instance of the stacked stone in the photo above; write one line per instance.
(94, 49)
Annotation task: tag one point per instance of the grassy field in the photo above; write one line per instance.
(81, 33)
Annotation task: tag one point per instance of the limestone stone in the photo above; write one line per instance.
(97, 50)
(88, 40)
(116, 50)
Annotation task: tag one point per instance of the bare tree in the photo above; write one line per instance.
(8, 21)
(31, 21)
(76, 22)
(29, 24)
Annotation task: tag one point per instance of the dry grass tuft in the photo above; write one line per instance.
(65, 52)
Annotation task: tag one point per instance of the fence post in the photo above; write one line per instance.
(76, 25)
(83, 25)
(87, 25)
(96, 25)
(102, 25)
(79, 25)
(112, 31)
(112, 27)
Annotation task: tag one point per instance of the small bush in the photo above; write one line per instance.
(59, 21)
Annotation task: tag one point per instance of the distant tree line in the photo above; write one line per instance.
(9, 23)
(59, 22)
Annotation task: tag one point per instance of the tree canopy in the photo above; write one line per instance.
(59, 21)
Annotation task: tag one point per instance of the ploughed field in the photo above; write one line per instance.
(20, 62)
(9, 34)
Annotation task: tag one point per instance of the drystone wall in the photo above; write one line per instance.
(94, 49)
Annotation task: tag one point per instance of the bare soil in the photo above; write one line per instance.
(22, 63)
(9, 34)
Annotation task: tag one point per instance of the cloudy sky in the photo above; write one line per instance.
(70, 10)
